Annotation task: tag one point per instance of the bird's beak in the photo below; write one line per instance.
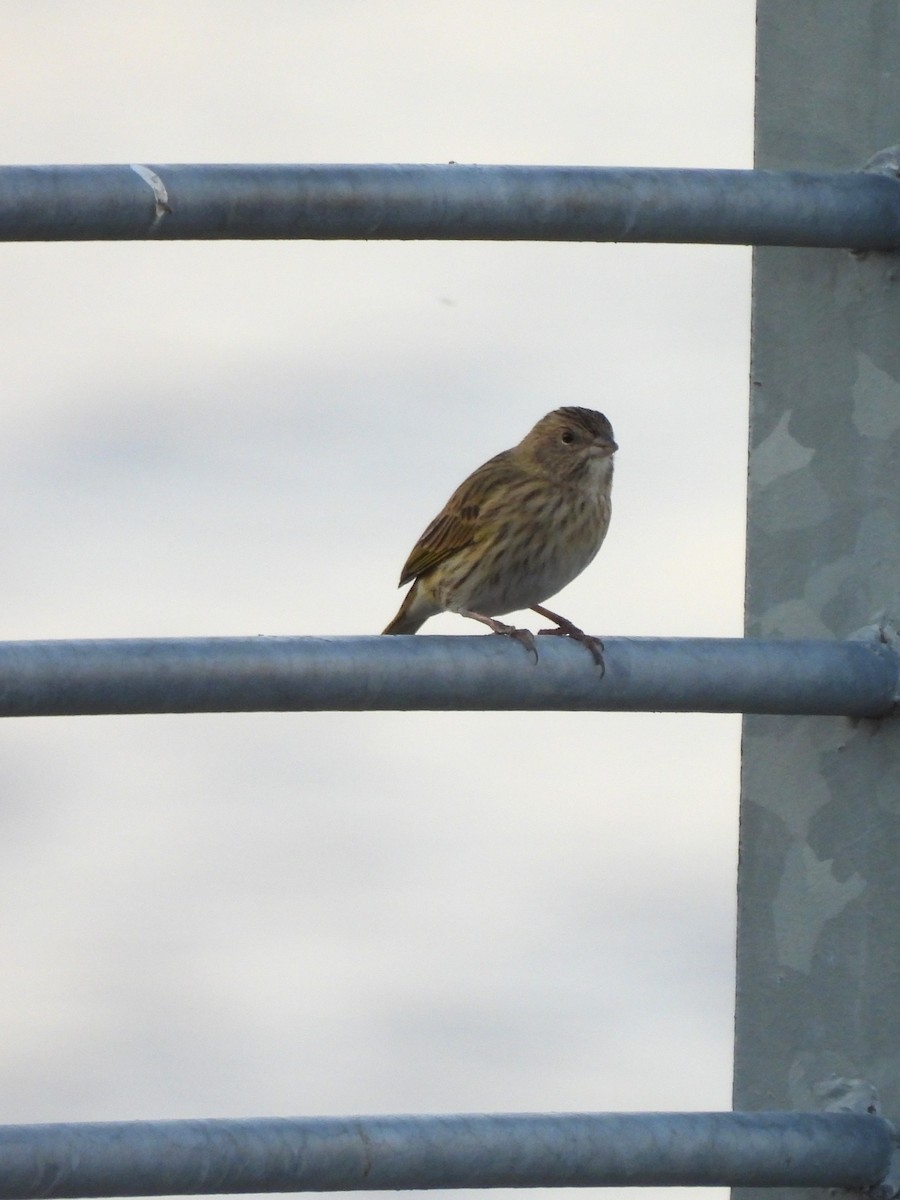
(604, 447)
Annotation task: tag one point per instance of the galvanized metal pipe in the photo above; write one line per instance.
(854, 678)
(391, 1153)
(854, 209)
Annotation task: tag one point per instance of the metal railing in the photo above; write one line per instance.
(157, 675)
(852, 209)
(325, 1154)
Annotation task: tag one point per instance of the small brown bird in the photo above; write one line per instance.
(517, 530)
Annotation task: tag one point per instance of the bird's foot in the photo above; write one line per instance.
(525, 636)
(594, 644)
(567, 629)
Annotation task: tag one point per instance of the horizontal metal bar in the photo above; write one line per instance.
(394, 1153)
(854, 678)
(856, 209)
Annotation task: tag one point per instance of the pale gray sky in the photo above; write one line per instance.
(328, 913)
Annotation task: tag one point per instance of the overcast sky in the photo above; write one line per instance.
(250, 915)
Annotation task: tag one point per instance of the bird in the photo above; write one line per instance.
(517, 531)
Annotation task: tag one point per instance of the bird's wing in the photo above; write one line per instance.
(462, 518)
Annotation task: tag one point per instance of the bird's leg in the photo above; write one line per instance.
(567, 629)
(525, 636)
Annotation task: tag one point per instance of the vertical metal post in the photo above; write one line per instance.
(818, 969)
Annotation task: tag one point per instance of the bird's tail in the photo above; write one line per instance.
(408, 619)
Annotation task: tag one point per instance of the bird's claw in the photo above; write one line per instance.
(525, 636)
(593, 644)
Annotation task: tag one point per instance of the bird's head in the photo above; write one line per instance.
(568, 443)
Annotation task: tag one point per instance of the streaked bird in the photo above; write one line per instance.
(517, 531)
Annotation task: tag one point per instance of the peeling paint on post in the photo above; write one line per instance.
(818, 970)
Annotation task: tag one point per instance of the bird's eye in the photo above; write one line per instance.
(567, 436)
